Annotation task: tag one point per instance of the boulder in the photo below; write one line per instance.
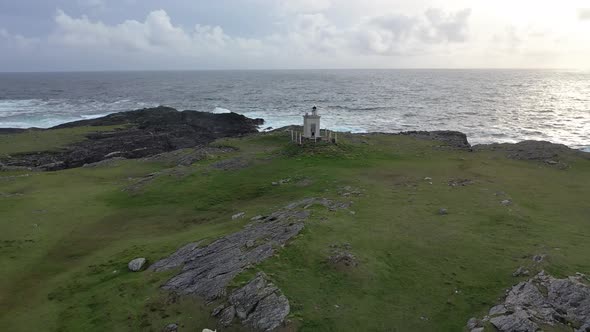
(173, 327)
(137, 264)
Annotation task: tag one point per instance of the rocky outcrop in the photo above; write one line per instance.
(454, 139)
(259, 305)
(147, 132)
(547, 152)
(207, 270)
(543, 301)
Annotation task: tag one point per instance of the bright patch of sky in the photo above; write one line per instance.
(50, 35)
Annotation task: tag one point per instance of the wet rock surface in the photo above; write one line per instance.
(543, 301)
(207, 270)
(147, 132)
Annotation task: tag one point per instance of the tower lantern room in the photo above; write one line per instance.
(311, 124)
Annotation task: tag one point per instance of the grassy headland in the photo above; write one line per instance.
(66, 236)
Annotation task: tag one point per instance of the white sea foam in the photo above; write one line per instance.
(220, 110)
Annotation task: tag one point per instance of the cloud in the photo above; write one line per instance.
(584, 14)
(305, 34)
(157, 34)
(396, 34)
(16, 41)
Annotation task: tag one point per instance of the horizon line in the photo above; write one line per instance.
(287, 69)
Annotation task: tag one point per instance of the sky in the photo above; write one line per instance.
(79, 35)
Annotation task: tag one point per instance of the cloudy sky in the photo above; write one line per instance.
(55, 35)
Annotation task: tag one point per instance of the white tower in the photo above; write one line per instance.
(311, 124)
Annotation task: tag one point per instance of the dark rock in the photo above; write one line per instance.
(217, 310)
(533, 150)
(544, 301)
(452, 138)
(260, 304)
(148, 132)
(207, 270)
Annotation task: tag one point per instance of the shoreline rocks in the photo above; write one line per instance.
(144, 133)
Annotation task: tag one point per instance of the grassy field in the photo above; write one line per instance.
(41, 140)
(66, 237)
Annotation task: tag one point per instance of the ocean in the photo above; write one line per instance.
(488, 105)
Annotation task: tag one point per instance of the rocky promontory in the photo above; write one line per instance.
(142, 133)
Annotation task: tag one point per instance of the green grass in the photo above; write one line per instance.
(46, 140)
(67, 236)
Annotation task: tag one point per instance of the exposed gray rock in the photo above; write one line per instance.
(473, 323)
(207, 270)
(226, 317)
(260, 305)
(506, 202)
(137, 264)
(170, 328)
(103, 163)
(500, 309)
(443, 211)
(515, 322)
(217, 310)
(544, 301)
(521, 271)
(238, 216)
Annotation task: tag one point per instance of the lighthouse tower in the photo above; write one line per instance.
(311, 124)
